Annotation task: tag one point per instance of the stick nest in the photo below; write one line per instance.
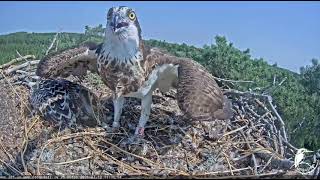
(251, 144)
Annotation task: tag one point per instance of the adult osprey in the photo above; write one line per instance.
(130, 69)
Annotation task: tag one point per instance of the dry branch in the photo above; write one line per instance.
(70, 162)
(18, 67)
(279, 118)
(26, 72)
(52, 43)
(269, 99)
(16, 60)
(284, 79)
(228, 80)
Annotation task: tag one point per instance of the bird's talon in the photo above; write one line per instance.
(107, 128)
(139, 132)
(135, 139)
(115, 129)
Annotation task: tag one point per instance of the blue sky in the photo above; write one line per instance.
(284, 32)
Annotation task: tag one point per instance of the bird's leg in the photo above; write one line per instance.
(145, 113)
(118, 106)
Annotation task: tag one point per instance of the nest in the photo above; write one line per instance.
(251, 144)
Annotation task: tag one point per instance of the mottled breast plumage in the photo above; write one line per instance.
(121, 74)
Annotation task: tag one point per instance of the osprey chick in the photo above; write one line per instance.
(65, 103)
(130, 69)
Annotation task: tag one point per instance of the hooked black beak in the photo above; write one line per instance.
(116, 24)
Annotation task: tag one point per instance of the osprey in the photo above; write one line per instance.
(130, 69)
(65, 103)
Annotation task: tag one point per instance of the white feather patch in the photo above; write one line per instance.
(116, 46)
(161, 77)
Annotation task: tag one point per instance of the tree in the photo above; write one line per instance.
(87, 30)
(311, 76)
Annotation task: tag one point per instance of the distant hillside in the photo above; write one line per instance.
(297, 104)
(32, 43)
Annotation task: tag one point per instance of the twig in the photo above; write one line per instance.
(6, 174)
(279, 118)
(280, 144)
(17, 60)
(53, 41)
(288, 144)
(269, 99)
(25, 72)
(187, 161)
(226, 157)
(269, 161)
(282, 81)
(24, 146)
(253, 176)
(14, 90)
(25, 142)
(255, 164)
(62, 138)
(57, 45)
(20, 55)
(69, 162)
(103, 156)
(11, 70)
(222, 172)
(227, 80)
(252, 156)
(126, 152)
(6, 152)
(11, 167)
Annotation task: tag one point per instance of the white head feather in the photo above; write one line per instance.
(122, 43)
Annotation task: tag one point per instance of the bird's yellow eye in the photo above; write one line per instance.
(132, 16)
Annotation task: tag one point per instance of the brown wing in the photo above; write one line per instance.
(74, 61)
(198, 94)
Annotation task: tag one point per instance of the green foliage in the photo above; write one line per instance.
(94, 31)
(34, 43)
(311, 81)
(297, 98)
(311, 76)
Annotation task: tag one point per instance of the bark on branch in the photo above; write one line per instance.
(16, 60)
(52, 43)
(28, 63)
